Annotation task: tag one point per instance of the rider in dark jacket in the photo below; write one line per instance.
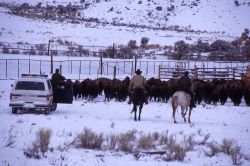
(56, 79)
(184, 84)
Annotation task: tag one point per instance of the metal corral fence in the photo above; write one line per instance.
(78, 69)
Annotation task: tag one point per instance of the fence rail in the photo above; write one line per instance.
(78, 69)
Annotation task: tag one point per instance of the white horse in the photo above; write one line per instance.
(182, 99)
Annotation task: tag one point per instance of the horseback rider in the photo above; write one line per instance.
(184, 84)
(137, 81)
(57, 79)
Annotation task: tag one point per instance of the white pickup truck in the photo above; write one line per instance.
(32, 92)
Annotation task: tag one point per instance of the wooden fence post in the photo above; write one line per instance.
(18, 68)
(135, 63)
(40, 66)
(159, 72)
(132, 68)
(71, 66)
(203, 69)
(29, 65)
(233, 72)
(80, 71)
(195, 72)
(114, 73)
(60, 69)
(101, 64)
(107, 67)
(6, 68)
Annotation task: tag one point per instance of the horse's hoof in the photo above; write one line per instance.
(189, 121)
(175, 122)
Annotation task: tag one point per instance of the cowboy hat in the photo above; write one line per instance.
(138, 71)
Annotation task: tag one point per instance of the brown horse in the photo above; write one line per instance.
(182, 99)
(138, 98)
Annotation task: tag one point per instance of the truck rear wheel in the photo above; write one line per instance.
(14, 110)
(54, 106)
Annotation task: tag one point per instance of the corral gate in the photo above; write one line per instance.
(203, 72)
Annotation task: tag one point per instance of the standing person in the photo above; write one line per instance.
(137, 81)
(56, 79)
(184, 84)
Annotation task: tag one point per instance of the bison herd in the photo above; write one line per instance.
(209, 91)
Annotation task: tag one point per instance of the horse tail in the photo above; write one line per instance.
(174, 99)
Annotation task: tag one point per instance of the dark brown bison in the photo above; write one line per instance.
(235, 91)
(77, 89)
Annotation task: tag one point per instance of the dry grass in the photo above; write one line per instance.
(146, 141)
(89, 139)
(226, 146)
(236, 155)
(41, 144)
(174, 152)
(164, 138)
(205, 139)
(189, 142)
(126, 141)
(214, 149)
(112, 141)
(43, 139)
(33, 151)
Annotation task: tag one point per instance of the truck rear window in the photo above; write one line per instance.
(29, 85)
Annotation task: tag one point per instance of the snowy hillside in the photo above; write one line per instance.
(116, 21)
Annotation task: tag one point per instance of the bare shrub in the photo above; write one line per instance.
(146, 141)
(164, 138)
(189, 142)
(156, 136)
(125, 142)
(89, 139)
(226, 146)
(205, 139)
(132, 44)
(5, 50)
(40, 46)
(112, 141)
(144, 42)
(33, 151)
(32, 51)
(67, 43)
(236, 155)
(15, 52)
(10, 141)
(43, 139)
(68, 145)
(174, 152)
(60, 41)
(214, 149)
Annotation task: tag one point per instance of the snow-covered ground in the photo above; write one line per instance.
(113, 117)
(220, 19)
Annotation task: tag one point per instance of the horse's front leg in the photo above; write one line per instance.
(189, 115)
(140, 109)
(174, 110)
(135, 110)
